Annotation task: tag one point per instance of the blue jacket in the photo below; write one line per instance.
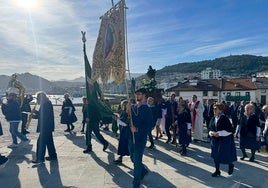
(169, 105)
(142, 119)
(11, 110)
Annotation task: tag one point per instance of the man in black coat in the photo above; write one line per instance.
(45, 127)
(208, 112)
(25, 109)
(172, 107)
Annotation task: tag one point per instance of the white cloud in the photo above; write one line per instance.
(214, 48)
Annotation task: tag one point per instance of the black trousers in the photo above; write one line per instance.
(24, 118)
(94, 126)
(167, 127)
(45, 140)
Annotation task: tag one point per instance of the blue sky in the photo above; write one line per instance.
(45, 39)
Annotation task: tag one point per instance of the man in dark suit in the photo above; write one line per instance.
(233, 113)
(45, 127)
(172, 107)
(25, 109)
(208, 112)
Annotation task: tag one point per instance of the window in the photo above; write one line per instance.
(215, 93)
(205, 93)
(247, 93)
(237, 93)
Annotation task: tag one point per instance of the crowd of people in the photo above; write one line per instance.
(143, 118)
(187, 120)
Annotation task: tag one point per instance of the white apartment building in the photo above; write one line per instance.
(262, 74)
(210, 73)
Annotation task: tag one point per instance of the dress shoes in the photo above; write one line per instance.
(231, 169)
(244, 156)
(67, 130)
(144, 173)
(37, 161)
(168, 141)
(183, 152)
(3, 161)
(118, 161)
(25, 132)
(251, 159)
(72, 127)
(51, 158)
(173, 141)
(216, 173)
(88, 150)
(105, 146)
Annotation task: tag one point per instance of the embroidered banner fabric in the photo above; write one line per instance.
(94, 93)
(109, 52)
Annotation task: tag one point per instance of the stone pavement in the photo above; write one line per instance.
(168, 169)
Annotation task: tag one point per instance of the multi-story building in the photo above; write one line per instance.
(262, 74)
(210, 73)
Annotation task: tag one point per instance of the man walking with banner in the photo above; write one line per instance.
(96, 109)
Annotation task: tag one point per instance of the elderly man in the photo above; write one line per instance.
(45, 127)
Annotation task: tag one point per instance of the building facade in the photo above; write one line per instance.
(210, 73)
(225, 89)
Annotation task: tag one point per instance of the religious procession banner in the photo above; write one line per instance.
(94, 94)
(109, 52)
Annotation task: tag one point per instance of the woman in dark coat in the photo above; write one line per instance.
(184, 127)
(124, 128)
(68, 116)
(249, 130)
(222, 140)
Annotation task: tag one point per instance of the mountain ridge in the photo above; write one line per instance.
(245, 64)
(233, 65)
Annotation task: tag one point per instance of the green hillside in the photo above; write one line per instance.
(235, 64)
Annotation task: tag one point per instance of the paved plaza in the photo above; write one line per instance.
(167, 168)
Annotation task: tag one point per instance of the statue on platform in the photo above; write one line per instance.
(14, 83)
(151, 73)
(150, 83)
